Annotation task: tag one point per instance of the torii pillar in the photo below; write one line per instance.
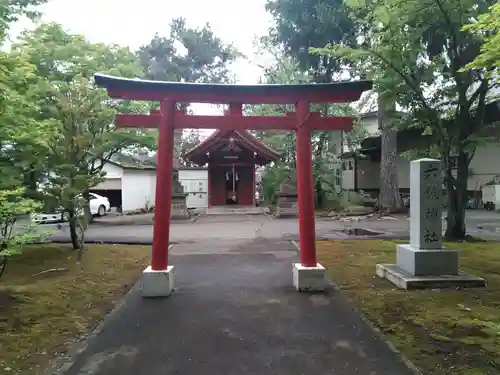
(308, 275)
(158, 279)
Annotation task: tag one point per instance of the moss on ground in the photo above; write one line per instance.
(442, 331)
(42, 316)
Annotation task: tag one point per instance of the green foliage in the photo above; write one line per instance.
(22, 135)
(19, 133)
(325, 145)
(271, 180)
(487, 27)
(355, 136)
(82, 136)
(187, 55)
(301, 24)
(12, 10)
(190, 139)
(14, 205)
(416, 51)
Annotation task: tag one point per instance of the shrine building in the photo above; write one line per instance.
(232, 157)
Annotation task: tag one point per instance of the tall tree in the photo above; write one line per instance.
(316, 23)
(18, 128)
(423, 47)
(300, 25)
(389, 198)
(187, 54)
(84, 136)
(325, 145)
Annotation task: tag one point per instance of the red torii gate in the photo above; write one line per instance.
(308, 275)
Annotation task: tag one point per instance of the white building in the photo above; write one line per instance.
(132, 188)
(361, 168)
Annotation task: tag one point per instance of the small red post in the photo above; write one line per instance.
(305, 187)
(163, 199)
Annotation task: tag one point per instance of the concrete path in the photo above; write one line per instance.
(235, 312)
(226, 226)
(479, 223)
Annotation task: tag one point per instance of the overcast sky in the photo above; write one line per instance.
(133, 23)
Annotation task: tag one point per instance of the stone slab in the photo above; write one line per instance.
(287, 206)
(309, 279)
(157, 283)
(179, 209)
(405, 280)
(426, 197)
(427, 262)
(236, 210)
(286, 213)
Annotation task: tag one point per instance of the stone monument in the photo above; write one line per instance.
(179, 209)
(424, 262)
(286, 205)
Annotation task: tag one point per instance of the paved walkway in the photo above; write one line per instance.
(234, 311)
(482, 224)
(227, 226)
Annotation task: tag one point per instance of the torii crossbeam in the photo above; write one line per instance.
(308, 274)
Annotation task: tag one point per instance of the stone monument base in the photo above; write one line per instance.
(157, 283)
(427, 262)
(179, 209)
(405, 280)
(309, 279)
(287, 206)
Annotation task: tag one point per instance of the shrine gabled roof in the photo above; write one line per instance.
(253, 142)
(140, 89)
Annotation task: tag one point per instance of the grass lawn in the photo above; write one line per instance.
(42, 316)
(442, 331)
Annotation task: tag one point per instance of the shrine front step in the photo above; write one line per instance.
(236, 210)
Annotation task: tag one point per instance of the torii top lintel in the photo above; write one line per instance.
(138, 89)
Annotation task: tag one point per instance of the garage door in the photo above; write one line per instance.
(109, 184)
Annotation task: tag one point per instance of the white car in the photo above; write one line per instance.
(99, 205)
(47, 218)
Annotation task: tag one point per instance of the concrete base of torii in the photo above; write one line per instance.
(309, 279)
(157, 283)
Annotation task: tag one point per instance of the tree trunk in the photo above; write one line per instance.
(30, 182)
(86, 210)
(457, 197)
(72, 230)
(318, 158)
(389, 198)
